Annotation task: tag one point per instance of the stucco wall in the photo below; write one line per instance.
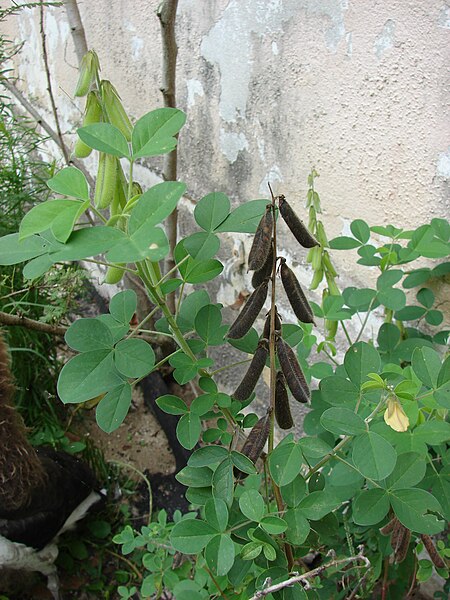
(273, 87)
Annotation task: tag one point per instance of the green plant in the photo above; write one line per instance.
(375, 451)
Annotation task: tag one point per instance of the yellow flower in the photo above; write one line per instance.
(395, 416)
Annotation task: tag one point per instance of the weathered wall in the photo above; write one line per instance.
(272, 87)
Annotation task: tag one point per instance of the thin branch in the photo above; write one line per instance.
(76, 28)
(7, 319)
(62, 145)
(310, 575)
(45, 126)
(167, 15)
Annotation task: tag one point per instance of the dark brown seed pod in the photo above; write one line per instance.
(389, 527)
(294, 292)
(401, 543)
(298, 228)
(248, 383)
(265, 271)
(255, 442)
(291, 369)
(282, 408)
(266, 330)
(432, 552)
(249, 312)
(262, 242)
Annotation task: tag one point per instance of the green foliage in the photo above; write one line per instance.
(376, 435)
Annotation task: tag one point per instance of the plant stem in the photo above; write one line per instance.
(173, 269)
(366, 318)
(144, 320)
(240, 362)
(344, 329)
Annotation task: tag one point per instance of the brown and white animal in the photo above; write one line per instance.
(43, 492)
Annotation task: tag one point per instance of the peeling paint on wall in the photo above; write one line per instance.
(232, 143)
(444, 17)
(443, 164)
(194, 88)
(272, 176)
(385, 41)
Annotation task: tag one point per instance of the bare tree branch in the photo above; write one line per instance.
(167, 14)
(311, 574)
(7, 319)
(62, 144)
(76, 28)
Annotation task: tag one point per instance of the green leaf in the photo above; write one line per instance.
(87, 375)
(273, 525)
(118, 330)
(405, 349)
(198, 495)
(294, 492)
(190, 536)
(151, 243)
(243, 463)
(251, 550)
(216, 514)
(389, 278)
(195, 477)
(208, 325)
(444, 373)
(337, 391)
(13, 250)
(223, 485)
(434, 317)
(415, 509)
(172, 405)
(188, 430)
(86, 242)
(426, 364)
(212, 210)
(201, 271)
(208, 455)
(344, 242)
(433, 432)
(113, 408)
(58, 215)
(252, 505)
(155, 205)
(153, 134)
(370, 506)
(360, 360)
(202, 245)
(388, 336)
(70, 181)
(203, 404)
(219, 554)
(314, 447)
(37, 267)
(342, 421)
(88, 334)
(373, 456)
(285, 462)
(105, 137)
(190, 307)
(186, 589)
(361, 299)
(317, 504)
(332, 309)
(248, 343)
(392, 298)
(410, 313)
(244, 218)
(123, 305)
(297, 526)
(409, 471)
(416, 278)
(134, 358)
(360, 230)
(426, 297)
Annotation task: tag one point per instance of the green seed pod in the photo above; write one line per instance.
(331, 329)
(114, 109)
(332, 286)
(114, 274)
(283, 414)
(266, 330)
(106, 180)
(250, 379)
(296, 297)
(297, 227)
(249, 312)
(262, 242)
(317, 278)
(316, 262)
(321, 235)
(328, 265)
(265, 271)
(92, 114)
(89, 68)
(255, 442)
(291, 369)
(136, 189)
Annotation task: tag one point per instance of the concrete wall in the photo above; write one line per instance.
(273, 87)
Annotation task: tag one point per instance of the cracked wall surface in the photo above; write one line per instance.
(360, 90)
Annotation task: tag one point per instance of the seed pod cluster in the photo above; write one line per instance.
(114, 109)
(105, 183)
(294, 292)
(92, 114)
(250, 379)
(89, 69)
(291, 369)
(297, 227)
(282, 409)
(250, 311)
(255, 442)
(262, 241)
